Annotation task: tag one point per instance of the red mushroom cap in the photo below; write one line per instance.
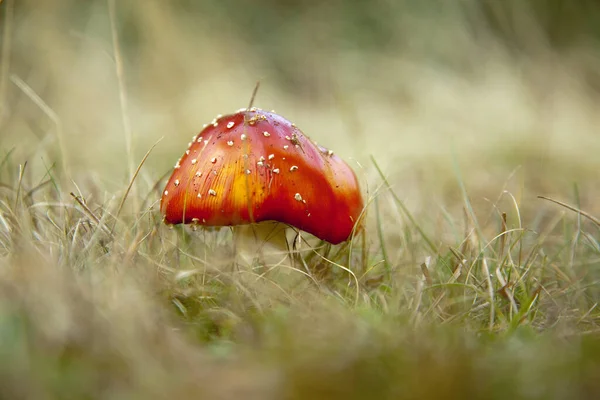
(255, 166)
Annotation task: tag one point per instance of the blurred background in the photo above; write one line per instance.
(507, 91)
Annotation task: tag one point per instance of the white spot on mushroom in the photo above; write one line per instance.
(259, 117)
(199, 139)
(203, 221)
(215, 124)
(230, 143)
(261, 158)
(166, 192)
(288, 138)
(271, 156)
(195, 220)
(199, 195)
(293, 125)
(176, 182)
(187, 152)
(205, 142)
(199, 174)
(294, 168)
(298, 197)
(230, 124)
(213, 160)
(204, 125)
(260, 163)
(194, 161)
(248, 172)
(177, 166)
(329, 153)
(276, 171)
(266, 134)
(190, 144)
(286, 147)
(273, 111)
(212, 192)
(243, 136)
(241, 110)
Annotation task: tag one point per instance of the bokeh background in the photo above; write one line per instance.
(501, 87)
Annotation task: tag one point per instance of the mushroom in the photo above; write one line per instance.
(254, 166)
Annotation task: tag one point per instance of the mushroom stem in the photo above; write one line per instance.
(264, 243)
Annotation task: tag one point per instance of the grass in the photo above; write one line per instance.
(476, 275)
(506, 308)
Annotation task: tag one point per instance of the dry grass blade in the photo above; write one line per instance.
(6, 42)
(122, 88)
(20, 184)
(46, 109)
(380, 233)
(360, 229)
(490, 289)
(503, 238)
(155, 188)
(6, 158)
(426, 238)
(135, 174)
(253, 97)
(91, 215)
(38, 187)
(575, 209)
(344, 269)
(426, 274)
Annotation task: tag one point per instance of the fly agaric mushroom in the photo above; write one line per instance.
(254, 166)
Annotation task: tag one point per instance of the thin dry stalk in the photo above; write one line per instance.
(46, 109)
(577, 210)
(254, 92)
(122, 93)
(20, 184)
(490, 287)
(137, 171)
(6, 42)
(99, 224)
